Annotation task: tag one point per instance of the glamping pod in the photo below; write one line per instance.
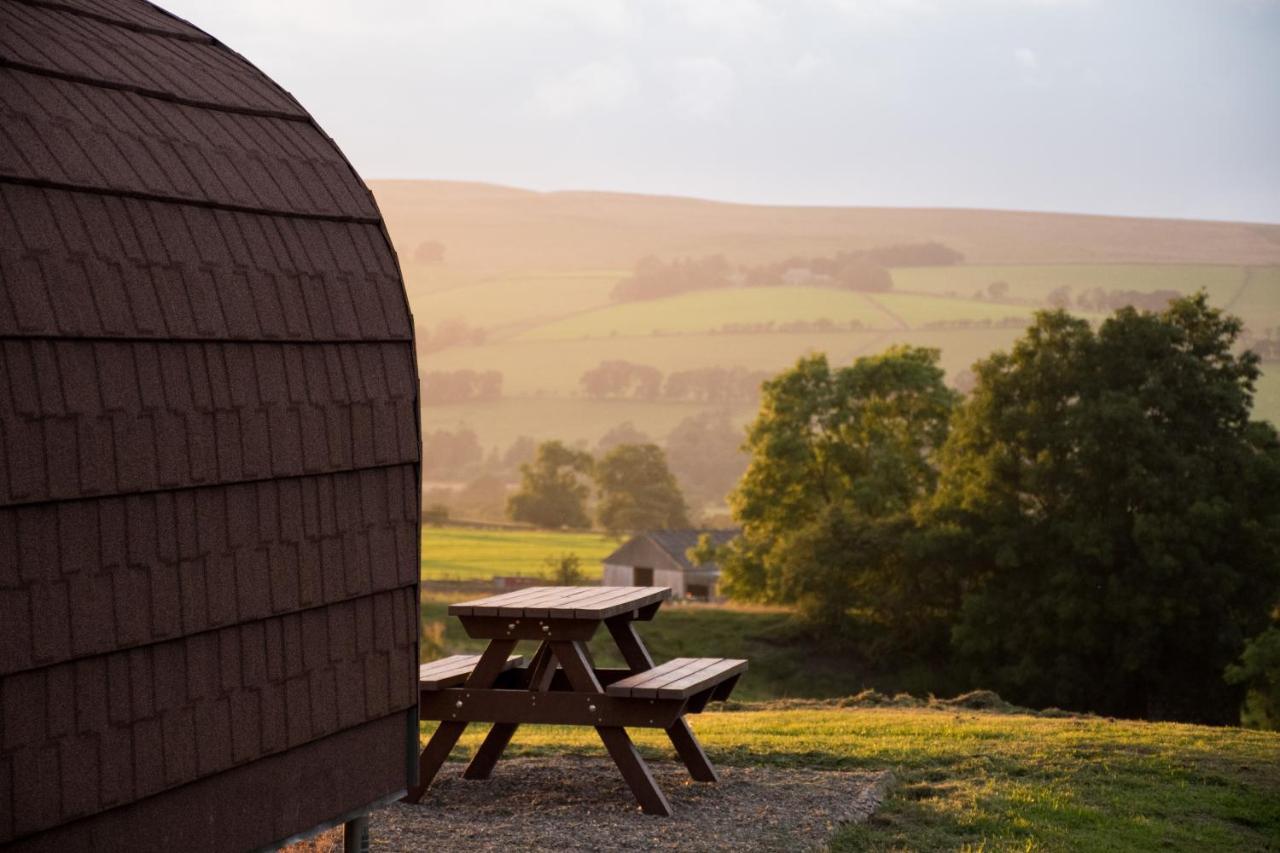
(209, 449)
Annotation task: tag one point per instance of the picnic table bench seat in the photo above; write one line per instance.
(454, 670)
(681, 678)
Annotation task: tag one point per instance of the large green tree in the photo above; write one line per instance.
(1116, 513)
(553, 488)
(839, 459)
(637, 491)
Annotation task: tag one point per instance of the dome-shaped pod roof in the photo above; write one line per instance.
(208, 448)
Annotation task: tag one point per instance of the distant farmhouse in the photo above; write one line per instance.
(660, 558)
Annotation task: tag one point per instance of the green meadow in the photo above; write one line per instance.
(989, 781)
(462, 554)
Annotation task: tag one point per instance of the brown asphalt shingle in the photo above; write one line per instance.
(209, 481)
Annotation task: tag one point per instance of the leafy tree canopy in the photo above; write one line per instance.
(838, 460)
(637, 491)
(553, 488)
(1116, 514)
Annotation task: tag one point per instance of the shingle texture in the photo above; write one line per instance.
(209, 446)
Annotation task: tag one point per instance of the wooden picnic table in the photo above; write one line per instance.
(562, 685)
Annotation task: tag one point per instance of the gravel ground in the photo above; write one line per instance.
(570, 803)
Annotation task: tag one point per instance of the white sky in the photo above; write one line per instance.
(1147, 107)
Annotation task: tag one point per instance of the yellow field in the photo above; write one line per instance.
(455, 553)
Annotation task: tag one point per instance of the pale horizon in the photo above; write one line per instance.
(571, 190)
(1145, 108)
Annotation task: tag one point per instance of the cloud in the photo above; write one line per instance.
(805, 65)
(704, 85)
(1026, 59)
(594, 87)
(725, 17)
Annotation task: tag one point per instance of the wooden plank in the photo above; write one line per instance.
(695, 681)
(442, 664)
(653, 595)
(494, 605)
(468, 608)
(519, 628)
(517, 706)
(570, 610)
(548, 607)
(582, 602)
(454, 670)
(650, 680)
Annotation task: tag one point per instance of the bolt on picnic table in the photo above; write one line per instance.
(561, 684)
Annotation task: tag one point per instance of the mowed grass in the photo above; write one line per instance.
(461, 554)
(521, 297)
(985, 781)
(1037, 281)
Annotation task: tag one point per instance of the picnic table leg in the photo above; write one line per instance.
(682, 737)
(574, 660)
(690, 752)
(541, 669)
(628, 642)
(486, 672)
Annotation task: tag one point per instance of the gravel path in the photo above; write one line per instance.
(571, 803)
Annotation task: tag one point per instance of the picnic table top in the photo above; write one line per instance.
(563, 602)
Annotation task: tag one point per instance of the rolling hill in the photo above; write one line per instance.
(529, 277)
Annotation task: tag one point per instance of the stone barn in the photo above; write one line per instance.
(209, 447)
(660, 558)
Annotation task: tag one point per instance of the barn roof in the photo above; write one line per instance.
(209, 448)
(675, 544)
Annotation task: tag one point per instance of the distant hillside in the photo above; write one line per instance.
(513, 293)
(486, 227)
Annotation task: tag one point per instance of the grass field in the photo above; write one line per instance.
(709, 310)
(461, 554)
(521, 298)
(966, 779)
(500, 422)
(984, 781)
(555, 367)
(535, 270)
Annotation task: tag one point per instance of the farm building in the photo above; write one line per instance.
(660, 558)
(209, 450)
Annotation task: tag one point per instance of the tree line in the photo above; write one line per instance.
(862, 269)
(1095, 526)
(617, 379)
(703, 452)
(449, 333)
(635, 490)
(461, 386)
